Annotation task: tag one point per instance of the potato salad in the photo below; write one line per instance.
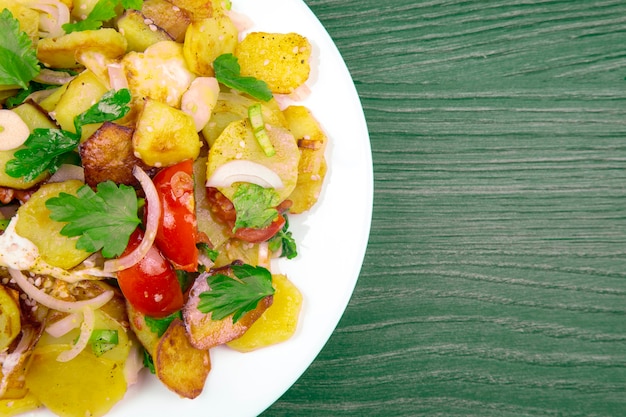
(151, 154)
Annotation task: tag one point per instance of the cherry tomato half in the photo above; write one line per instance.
(225, 211)
(177, 234)
(150, 285)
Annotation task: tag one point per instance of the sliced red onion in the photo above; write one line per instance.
(65, 325)
(52, 77)
(117, 78)
(54, 303)
(241, 170)
(86, 328)
(152, 223)
(68, 172)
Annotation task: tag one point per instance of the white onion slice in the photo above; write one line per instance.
(68, 172)
(52, 77)
(117, 78)
(65, 325)
(152, 223)
(241, 170)
(54, 303)
(86, 328)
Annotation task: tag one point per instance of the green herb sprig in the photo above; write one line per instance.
(228, 72)
(18, 58)
(236, 296)
(103, 11)
(255, 206)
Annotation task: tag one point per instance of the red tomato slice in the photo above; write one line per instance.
(177, 234)
(151, 285)
(224, 210)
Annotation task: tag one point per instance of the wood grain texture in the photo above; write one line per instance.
(495, 278)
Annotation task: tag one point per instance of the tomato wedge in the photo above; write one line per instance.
(224, 210)
(150, 285)
(177, 234)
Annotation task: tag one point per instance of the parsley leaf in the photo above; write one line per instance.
(104, 219)
(47, 148)
(112, 106)
(160, 325)
(43, 149)
(21, 96)
(18, 59)
(102, 340)
(228, 72)
(255, 206)
(103, 11)
(236, 296)
(284, 241)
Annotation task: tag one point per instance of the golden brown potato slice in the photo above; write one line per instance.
(165, 135)
(278, 323)
(312, 166)
(281, 60)
(10, 323)
(139, 32)
(205, 40)
(108, 155)
(179, 365)
(237, 142)
(61, 52)
(170, 18)
(204, 332)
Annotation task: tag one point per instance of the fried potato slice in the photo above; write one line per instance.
(167, 16)
(179, 365)
(312, 166)
(204, 332)
(108, 155)
(281, 60)
(278, 323)
(61, 52)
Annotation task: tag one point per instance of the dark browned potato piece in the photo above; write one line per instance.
(108, 155)
(168, 17)
(204, 332)
(180, 366)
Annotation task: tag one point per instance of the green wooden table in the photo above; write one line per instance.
(494, 282)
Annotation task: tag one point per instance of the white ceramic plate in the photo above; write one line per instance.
(331, 242)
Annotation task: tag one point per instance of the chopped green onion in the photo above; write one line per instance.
(102, 340)
(255, 115)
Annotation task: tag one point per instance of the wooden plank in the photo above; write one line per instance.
(495, 279)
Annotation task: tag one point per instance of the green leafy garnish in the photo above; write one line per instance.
(160, 325)
(148, 362)
(104, 219)
(102, 340)
(4, 223)
(255, 206)
(228, 295)
(228, 72)
(18, 58)
(103, 11)
(21, 96)
(112, 106)
(212, 254)
(284, 241)
(47, 148)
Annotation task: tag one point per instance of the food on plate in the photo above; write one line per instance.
(151, 154)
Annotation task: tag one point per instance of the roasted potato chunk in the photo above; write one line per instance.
(165, 135)
(108, 155)
(207, 39)
(199, 9)
(170, 18)
(139, 33)
(281, 60)
(61, 52)
(179, 365)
